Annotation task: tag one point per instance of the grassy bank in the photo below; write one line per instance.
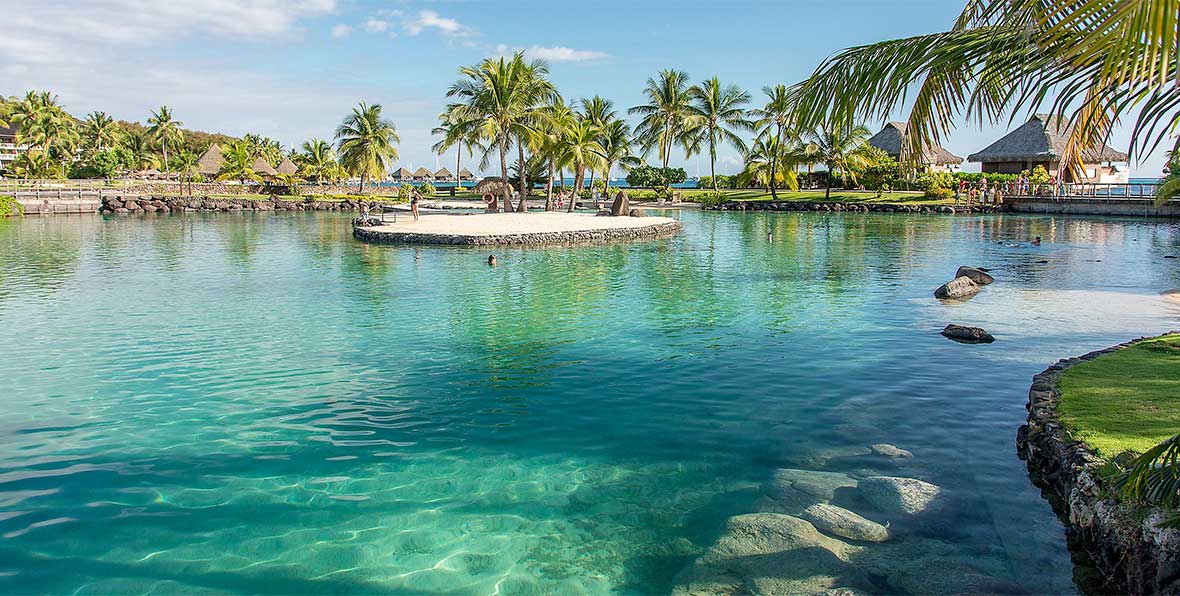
(1125, 401)
(817, 196)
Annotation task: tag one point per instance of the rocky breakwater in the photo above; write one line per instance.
(869, 530)
(139, 204)
(838, 207)
(1125, 542)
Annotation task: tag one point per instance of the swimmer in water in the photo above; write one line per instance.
(492, 260)
(1036, 241)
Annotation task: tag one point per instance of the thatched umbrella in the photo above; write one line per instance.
(211, 160)
(494, 185)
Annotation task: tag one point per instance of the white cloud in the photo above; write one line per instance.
(428, 19)
(376, 25)
(552, 53)
(340, 31)
(563, 54)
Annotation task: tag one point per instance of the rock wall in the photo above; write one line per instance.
(1091, 206)
(133, 204)
(852, 207)
(222, 188)
(1124, 542)
(656, 230)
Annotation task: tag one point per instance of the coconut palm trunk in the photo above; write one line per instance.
(164, 147)
(549, 189)
(523, 206)
(579, 176)
(503, 141)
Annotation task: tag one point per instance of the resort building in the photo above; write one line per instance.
(423, 175)
(287, 167)
(444, 175)
(401, 175)
(934, 159)
(263, 168)
(465, 175)
(9, 147)
(1041, 142)
(210, 163)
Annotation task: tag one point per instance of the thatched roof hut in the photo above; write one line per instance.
(443, 174)
(401, 174)
(466, 174)
(262, 167)
(890, 139)
(1041, 140)
(287, 167)
(211, 160)
(494, 185)
(423, 174)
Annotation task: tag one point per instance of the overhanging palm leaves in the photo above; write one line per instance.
(1090, 61)
(1154, 478)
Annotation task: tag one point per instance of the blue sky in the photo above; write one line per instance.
(291, 70)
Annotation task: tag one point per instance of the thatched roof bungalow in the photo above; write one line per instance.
(423, 175)
(210, 163)
(934, 159)
(287, 167)
(443, 174)
(401, 174)
(465, 175)
(263, 168)
(1041, 142)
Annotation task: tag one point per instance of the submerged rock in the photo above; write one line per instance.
(977, 275)
(844, 523)
(957, 288)
(967, 335)
(821, 457)
(769, 553)
(892, 494)
(821, 485)
(890, 450)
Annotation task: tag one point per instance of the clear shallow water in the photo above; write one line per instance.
(261, 404)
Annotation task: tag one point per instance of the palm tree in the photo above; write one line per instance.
(777, 115)
(458, 133)
(185, 162)
(556, 120)
(1097, 60)
(600, 112)
(165, 130)
(139, 150)
(719, 111)
(317, 160)
(500, 97)
(615, 140)
(100, 128)
(238, 162)
(841, 148)
(666, 115)
(583, 151)
(367, 142)
(43, 123)
(766, 161)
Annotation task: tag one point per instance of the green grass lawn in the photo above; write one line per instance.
(1125, 401)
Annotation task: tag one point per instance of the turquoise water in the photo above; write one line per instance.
(257, 403)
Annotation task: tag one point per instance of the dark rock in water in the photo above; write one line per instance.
(977, 275)
(1170, 256)
(621, 205)
(603, 213)
(983, 269)
(967, 335)
(1043, 261)
(959, 287)
(636, 213)
(888, 450)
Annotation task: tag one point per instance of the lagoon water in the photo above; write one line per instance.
(257, 403)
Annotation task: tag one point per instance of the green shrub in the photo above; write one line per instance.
(939, 194)
(9, 206)
(404, 191)
(1039, 176)
(427, 190)
(710, 199)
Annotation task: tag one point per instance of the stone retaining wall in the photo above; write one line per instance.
(657, 230)
(851, 207)
(1123, 541)
(123, 204)
(1093, 206)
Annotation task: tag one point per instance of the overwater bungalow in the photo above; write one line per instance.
(444, 175)
(934, 159)
(1041, 142)
(210, 163)
(465, 175)
(287, 167)
(423, 175)
(401, 175)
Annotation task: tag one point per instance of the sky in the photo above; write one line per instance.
(292, 69)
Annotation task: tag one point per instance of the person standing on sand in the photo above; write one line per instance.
(414, 198)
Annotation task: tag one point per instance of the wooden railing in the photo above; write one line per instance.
(1079, 190)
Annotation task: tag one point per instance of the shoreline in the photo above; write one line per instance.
(517, 229)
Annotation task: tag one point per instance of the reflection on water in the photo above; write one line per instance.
(259, 403)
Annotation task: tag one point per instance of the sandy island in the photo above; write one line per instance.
(535, 228)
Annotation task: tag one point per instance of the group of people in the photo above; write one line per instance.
(995, 193)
